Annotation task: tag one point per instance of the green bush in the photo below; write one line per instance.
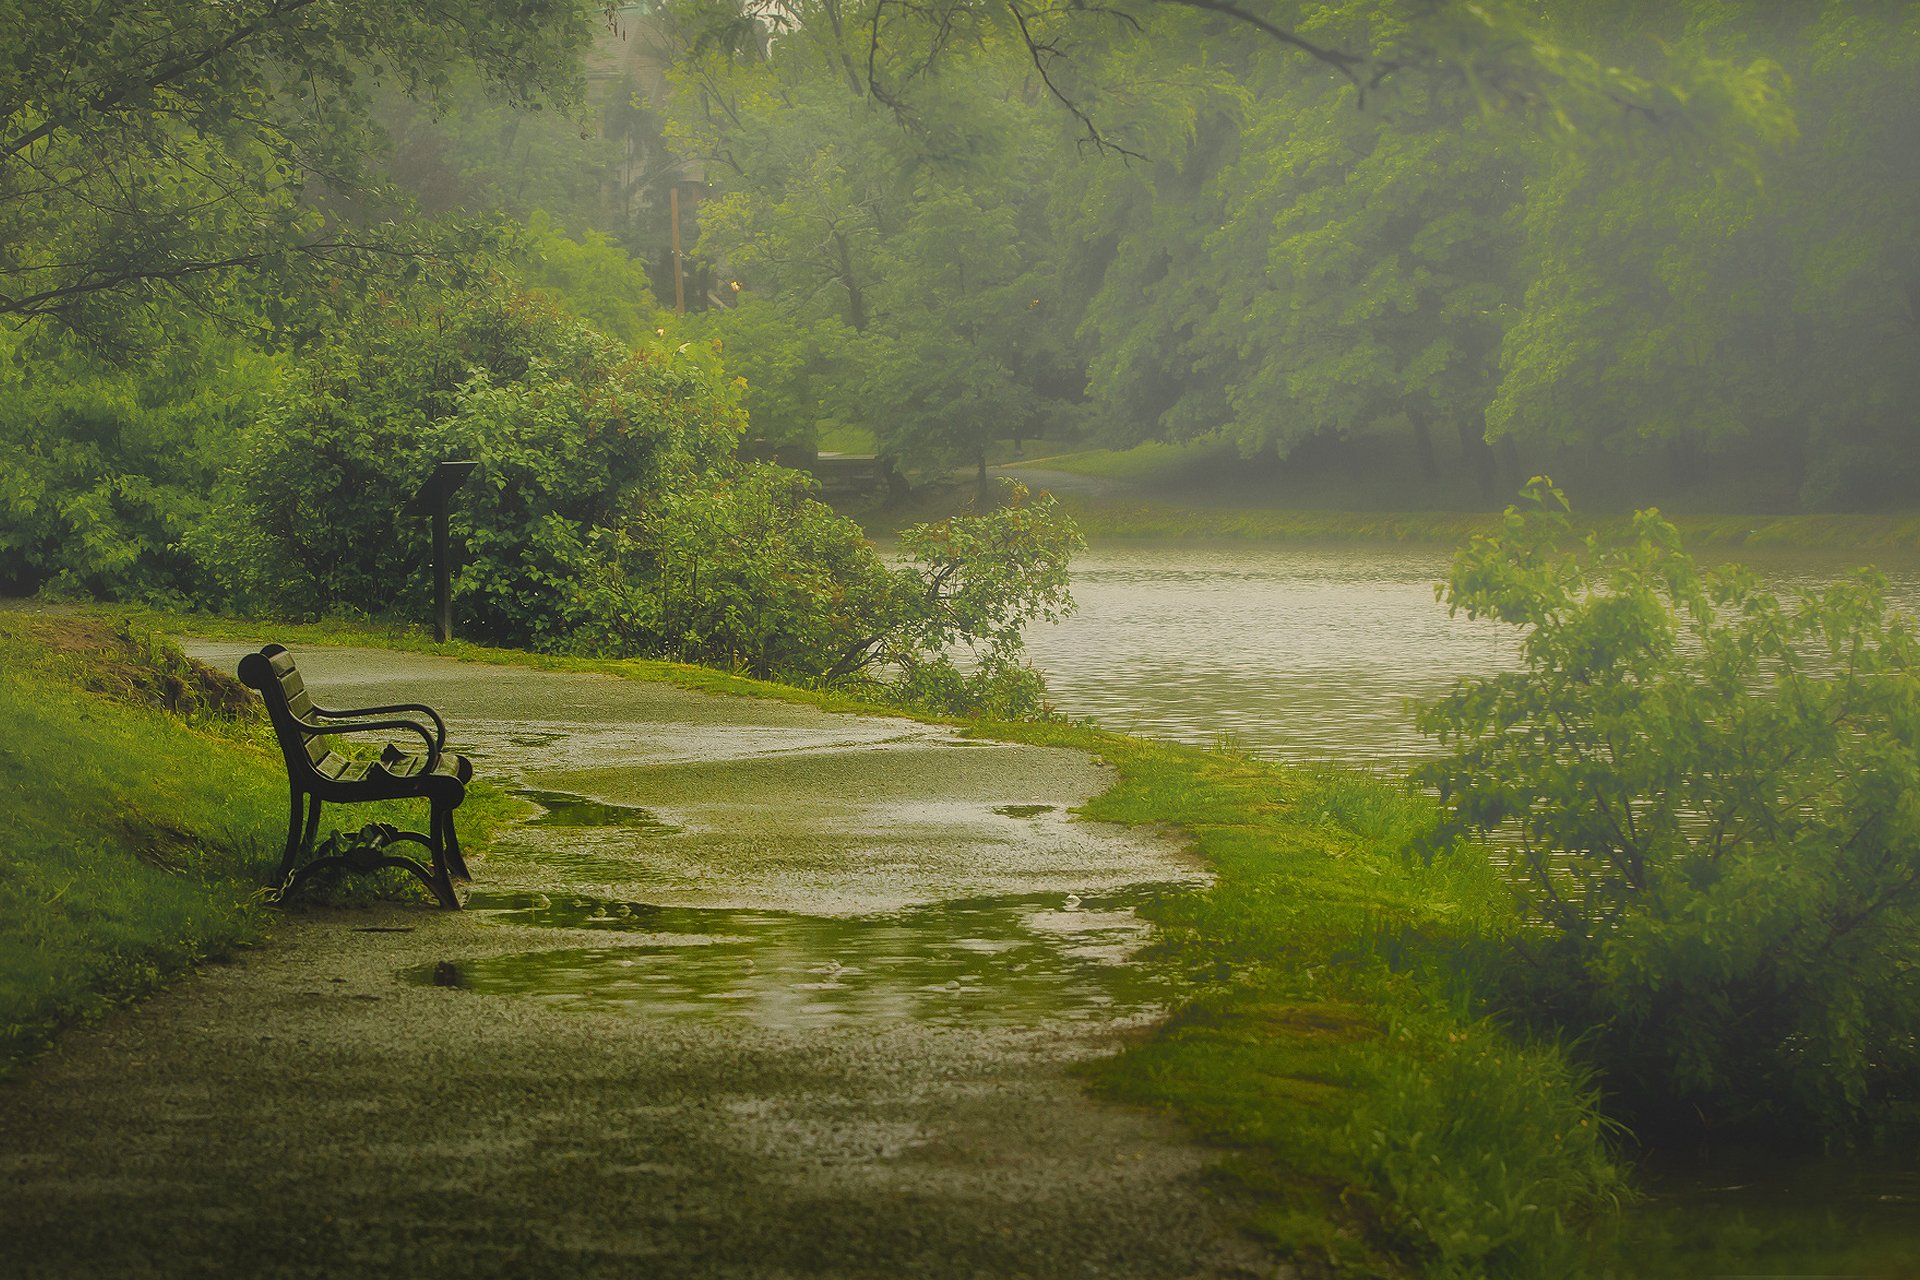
(1711, 800)
(609, 515)
(104, 469)
(750, 572)
(572, 431)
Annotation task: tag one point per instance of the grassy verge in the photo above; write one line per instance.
(1122, 518)
(1195, 491)
(142, 809)
(1384, 1122)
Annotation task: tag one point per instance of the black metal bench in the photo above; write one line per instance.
(317, 773)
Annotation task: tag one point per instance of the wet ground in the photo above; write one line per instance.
(757, 991)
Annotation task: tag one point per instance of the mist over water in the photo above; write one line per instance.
(1304, 653)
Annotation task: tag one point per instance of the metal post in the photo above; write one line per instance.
(433, 500)
(442, 577)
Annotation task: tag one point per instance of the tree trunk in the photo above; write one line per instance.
(856, 300)
(986, 486)
(1423, 444)
(1510, 470)
(1479, 456)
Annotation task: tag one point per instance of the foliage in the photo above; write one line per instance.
(105, 469)
(190, 150)
(894, 270)
(591, 278)
(752, 573)
(570, 431)
(607, 514)
(1711, 801)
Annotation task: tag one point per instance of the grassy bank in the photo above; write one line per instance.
(1204, 491)
(1338, 1052)
(1116, 518)
(1383, 1117)
(142, 810)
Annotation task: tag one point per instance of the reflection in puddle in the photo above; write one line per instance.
(563, 809)
(1023, 810)
(995, 961)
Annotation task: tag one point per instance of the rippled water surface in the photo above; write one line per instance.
(1015, 961)
(1308, 652)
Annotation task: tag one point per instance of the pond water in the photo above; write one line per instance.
(1305, 652)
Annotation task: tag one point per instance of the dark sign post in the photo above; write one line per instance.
(432, 500)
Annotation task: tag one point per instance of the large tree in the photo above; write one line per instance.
(164, 152)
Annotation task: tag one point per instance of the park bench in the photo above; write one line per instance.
(316, 774)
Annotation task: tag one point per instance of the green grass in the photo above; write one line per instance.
(1203, 490)
(1102, 519)
(134, 846)
(135, 842)
(1385, 1123)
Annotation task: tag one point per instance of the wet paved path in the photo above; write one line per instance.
(760, 992)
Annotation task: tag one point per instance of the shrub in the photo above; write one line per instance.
(1712, 799)
(750, 572)
(104, 468)
(571, 431)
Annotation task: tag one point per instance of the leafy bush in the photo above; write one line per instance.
(104, 469)
(571, 431)
(609, 515)
(751, 572)
(1713, 804)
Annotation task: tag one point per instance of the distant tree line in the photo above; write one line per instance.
(1689, 240)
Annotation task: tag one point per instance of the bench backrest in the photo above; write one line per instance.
(271, 671)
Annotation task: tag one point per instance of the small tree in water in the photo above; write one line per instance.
(1712, 799)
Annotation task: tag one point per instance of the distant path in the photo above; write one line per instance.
(812, 1015)
(1043, 477)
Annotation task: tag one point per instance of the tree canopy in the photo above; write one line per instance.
(168, 152)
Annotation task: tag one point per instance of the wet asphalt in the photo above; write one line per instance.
(757, 991)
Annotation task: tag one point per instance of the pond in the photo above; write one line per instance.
(1307, 652)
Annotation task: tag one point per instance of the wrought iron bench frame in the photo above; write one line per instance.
(316, 773)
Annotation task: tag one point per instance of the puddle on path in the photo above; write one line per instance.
(1012, 961)
(564, 809)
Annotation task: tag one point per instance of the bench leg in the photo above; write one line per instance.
(441, 841)
(302, 825)
(456, 862)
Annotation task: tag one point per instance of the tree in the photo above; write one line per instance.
(1708, 798)
(1387, 244)
(896, 237)
(178, 150)
(1763, 310)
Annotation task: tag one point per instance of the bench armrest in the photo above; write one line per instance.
(440, 726)
(363, 726)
